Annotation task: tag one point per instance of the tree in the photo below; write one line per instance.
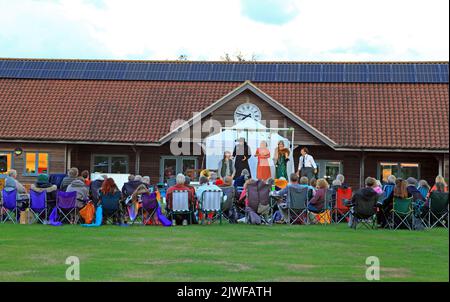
(238, 57)
(182, 57)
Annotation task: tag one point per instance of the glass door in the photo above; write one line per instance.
(170, 166)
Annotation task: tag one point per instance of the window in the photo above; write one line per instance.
(5, 162)
(117, 164)
(402, 170)
(172, 165)
(329, 169)
(36, 163)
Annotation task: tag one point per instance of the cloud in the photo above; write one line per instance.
(329, 30)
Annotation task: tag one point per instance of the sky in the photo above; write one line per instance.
(280, 30)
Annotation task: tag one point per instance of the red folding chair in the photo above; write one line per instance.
(340, 210)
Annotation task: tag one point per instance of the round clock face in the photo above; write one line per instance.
(245, 111)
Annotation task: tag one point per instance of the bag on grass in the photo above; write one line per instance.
(88, 212)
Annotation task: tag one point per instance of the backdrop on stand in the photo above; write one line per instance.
(253, 132)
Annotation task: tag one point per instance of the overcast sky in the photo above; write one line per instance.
(332, 30)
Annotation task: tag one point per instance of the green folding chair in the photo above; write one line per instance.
(402, 211)
(438, 211)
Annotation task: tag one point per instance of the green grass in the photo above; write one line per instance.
(221, 253)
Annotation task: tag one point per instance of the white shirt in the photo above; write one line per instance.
(309, 162)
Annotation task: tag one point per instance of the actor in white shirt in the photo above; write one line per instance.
(307, 166)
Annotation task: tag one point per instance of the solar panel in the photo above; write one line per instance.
(204, 71)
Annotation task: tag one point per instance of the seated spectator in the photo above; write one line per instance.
(213, 178)
(341, 178)
(11, 184)
(109, 192)
(365, 194)
(304, 182)
(146, 181)
(413, 191)
(335, 185)
(423, 187)
(283, 203)
(95, 186)
(385, 203)
(219, 182)
(180, 186)
(72, 174)
(82, 190)
(400, 189)
(439, 180)
(240, 180)
(313, 184)
(42, 184)
(227, 182)
(85, 175)
(317, 202)
(133, 183)
(243, 200)
(377, 188)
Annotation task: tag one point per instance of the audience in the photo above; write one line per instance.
(43, 185)
(317, 202)
(133, 183)
(378, 188)
(146, 181)
(439, 180)
(313, 183)
(413, 191)
(240, 180)
(85, 175)
(72, 174)
(283, 204)
(180, 186)
(341, 178)
(400, 189)
(110, 193)
(95, 186)
(78, 185)
(227, 182)
(423, 187)
(11, 184)
(365, 194)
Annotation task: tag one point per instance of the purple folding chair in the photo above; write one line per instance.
(149, 206)
(66, 203)
(9, 206)
(38, 206)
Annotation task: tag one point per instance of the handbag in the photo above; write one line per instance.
(88, 212)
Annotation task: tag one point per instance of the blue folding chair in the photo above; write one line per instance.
(38, 206)
(9, 206)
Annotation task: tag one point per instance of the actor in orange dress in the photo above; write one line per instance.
(263, 155)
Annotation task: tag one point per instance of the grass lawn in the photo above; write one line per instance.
(221, 253)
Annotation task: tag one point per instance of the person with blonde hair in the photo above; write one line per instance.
(317, 202)
(439, 180)
(263, 169)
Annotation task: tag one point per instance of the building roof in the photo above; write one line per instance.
(275, 72)
(351, 115)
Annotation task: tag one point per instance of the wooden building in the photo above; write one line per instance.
(359, 119)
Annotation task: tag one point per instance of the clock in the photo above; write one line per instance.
(247, 111)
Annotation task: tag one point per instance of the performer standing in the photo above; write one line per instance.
(307, 166)
(241, 153)
(263, 155)
(226, 167)
(281, 157)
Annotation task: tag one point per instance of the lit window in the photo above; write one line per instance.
(36, 163)
(5, 162)
(401, 170)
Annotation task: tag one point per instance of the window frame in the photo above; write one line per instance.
(321, 164)
(36, 173)
(398, 167)
(179, 164)
(110, 156)
(11, 153)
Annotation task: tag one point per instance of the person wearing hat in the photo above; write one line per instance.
(42, 184)
(241, 153)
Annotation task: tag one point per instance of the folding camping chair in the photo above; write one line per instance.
(364, 212)
(258, 195)
(149, 206)
(403, 211)
(228, 207)
(383, 207)
(56, 179)
(180, 204)
(38, 206)
(324, 215)
(438, 209)
(297, 205)
(340, 210)
(111, 207)
(211, 202)
(66, 204)
(9, 206)
(423, 191)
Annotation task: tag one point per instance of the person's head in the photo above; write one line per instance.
(322, 183)
(400, 189)
(203, 180)
(245, 173)
(205, 173)
(146, 180)
(227, 155)
(424, 183)
(187, 180)
(440, 187)
(180, 179)
(371, 182)
(138, 178)
(263, 144)
(131, 177)
(108, 186)
(12, 173)
(304, 180)
(241, 141)
(85, 174)
(270, 181)
(213, 176)
(249, 182)
(293, 178)
(411, 181)
(336, 183)
(341, 178)
(42, 178)
(440, 179)
(313, 182)
(73, 172)
(391, 179)
(280, 145)
(228, 181)
(304, 151)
